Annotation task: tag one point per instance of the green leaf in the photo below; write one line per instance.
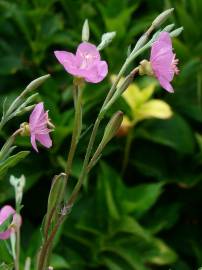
(174, 132)
(58, 262)
(141, 198)
(12, 161)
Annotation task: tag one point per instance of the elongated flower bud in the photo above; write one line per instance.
(176, 32)
(36, 83)
(85, 31)
(55, 198)
(110, 131)
(113, 126)
(169, 27)
(57, 191)
(162, 17)
(106, 40)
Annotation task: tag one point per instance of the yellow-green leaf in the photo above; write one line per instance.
(154, 108)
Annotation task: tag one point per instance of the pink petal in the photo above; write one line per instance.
(33, 142)
(97, 73)
(68, 60)
(166, 84)
(17, 221)
(88, 49)
(44, 139)
(5, 213)
(165, 37)
(35, 115)
(6, 234)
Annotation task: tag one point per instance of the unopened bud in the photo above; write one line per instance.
(36, 83)
(141, 41)
(113, 126)
(106, 40)
(169, 27)
(145, 68)
(176, 32)
(18, 184)
(56, 195)
(110, 131)
(85, 31)
(162, 17)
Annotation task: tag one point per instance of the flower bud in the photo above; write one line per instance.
(36, 83)
(85, 31)
(106, 40)
(18, 184)
(141, 41)
(176, 32)
(145, 68)
(112, 127)
(169, 27)
(162, 17)
(56, 196)
(110, 131)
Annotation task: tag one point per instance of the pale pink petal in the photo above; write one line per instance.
(163, 43)
(69, 61)
(166, 84)
(35, 115)
(97, 73)
(163, 61)
(5, 213)
(33, 142)
(88, 50)
(44, 139)
(6, 234)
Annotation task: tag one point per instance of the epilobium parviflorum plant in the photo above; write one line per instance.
(85, 66)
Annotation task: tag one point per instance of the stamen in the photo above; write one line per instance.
(174, 64)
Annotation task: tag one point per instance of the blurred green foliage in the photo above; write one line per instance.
(151, 217)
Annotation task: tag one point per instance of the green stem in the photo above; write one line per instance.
(76, 129)
(17, 250)
(129, 140)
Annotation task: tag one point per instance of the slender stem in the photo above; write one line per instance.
(17, 250)
(129, 140)
(45, 250)
(86, 160)
(76, 129)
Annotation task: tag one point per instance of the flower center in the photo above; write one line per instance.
(174, 64)
(87, 60)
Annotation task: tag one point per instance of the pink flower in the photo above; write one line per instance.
(163, 61)
(5, 213)
(86, 63)
(38, 126)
